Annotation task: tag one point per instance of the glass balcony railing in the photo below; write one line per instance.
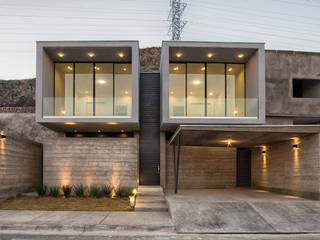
(87, 107)
(213, 107)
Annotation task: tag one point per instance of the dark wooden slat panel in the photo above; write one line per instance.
(243, 167)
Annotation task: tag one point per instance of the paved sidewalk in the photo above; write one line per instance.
(85, 221)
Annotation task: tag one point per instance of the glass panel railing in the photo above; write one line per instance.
(215, 107)
(102, 107)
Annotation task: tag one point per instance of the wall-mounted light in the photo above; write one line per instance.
(99, 131)
(203, 68)
(230, 69)
(2, 136)
(210, 55)
(120, 54)
(295, 146)
(97, 68)
(70, 123)
(240, 55)
(175, 68)
(111, 123)
(263, 152)
(229, 142)
(132, 201)
(91, 54)
(179, 54)
(135, 191)
(60, 54)
(236, 112)
(69, 68)
(124, 69)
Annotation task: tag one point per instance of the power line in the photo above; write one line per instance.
(177, 23)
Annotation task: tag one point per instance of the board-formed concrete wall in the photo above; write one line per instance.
(89, 161)
(20, 166)
(203, 167)
(289, 171)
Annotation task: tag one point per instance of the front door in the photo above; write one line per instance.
(243, 167)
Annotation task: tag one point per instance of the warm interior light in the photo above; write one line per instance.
(235, 112)
(124, 69)
(171, 92)
(99, 131)
(196, 82)
(97, 68)
(111, 123)
(135, 191)
(63, 112)
(132, 201)
(70, 123)
(240, 55)
(60, 54)
(102, 81)
(229, 142)
(190, 93)
(210, 55)
(203, 68)
(230, 69)
(126, 92)
(69, 67)
(210, 93)
(175, 68)
(75, 130)
(121, 54)
(295, 146)
(179, 54)
(91, 54)
(263, 152)
(2, 135)
(122, 130)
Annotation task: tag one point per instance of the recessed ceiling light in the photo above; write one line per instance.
(121, 54)
(203, 68)
(69, 67)
(70, 123)
(97, 68)
(210, 93)
(91, 54)
(102, 81)
(99, 131)
(196, 82)
(175, 68)
(230, 69)
(210, 55)
(240, 55)
(60, 54)
(111, 123)
(122, 130)
(124, 69)
(179, 54)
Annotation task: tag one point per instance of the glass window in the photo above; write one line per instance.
(177, 90)
(104, 89)
(63, 88)
(83, 89)
(123, 89)
(195, 90)
(215, 90)
(235, 90)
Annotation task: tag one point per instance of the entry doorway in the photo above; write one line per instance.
(243, 167)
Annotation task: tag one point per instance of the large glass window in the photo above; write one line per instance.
(123, 89)
(104, 89)
(83, 89)
(177, 90)
(63, 89)
(195, 90)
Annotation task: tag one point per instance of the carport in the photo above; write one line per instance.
(249, 136)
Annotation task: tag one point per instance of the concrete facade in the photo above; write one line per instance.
(21, 166)
(91, 161)
(285, 170)
(203, 167)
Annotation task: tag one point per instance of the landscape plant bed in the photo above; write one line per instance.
(67, 204)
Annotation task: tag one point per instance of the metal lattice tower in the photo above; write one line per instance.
(177, 23)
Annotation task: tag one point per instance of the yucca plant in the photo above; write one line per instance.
(94, 191)
(106, 190)
(79, 190)
(42, 190)
(123, 192)
(67, 189)
(54, 191)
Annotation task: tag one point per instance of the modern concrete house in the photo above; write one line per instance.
(217, 115)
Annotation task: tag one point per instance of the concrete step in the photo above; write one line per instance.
(151, 207)
(150, 189)
(150, 199)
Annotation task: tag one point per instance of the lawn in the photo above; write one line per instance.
(66, 204)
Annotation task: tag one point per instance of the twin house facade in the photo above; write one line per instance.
(217, 115)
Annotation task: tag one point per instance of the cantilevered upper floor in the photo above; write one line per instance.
(212, 83)
(88, 86)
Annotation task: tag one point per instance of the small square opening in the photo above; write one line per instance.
(306, 88)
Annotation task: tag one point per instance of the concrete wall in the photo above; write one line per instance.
(91, 161)
(281, 68)
(20, 166)
(203, 167)
(289, 171)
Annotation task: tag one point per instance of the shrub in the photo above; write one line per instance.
(42, 190)
(79, 190)
(54, 191)
(123, 192)
(67, 189)
(106, 190)
(94, 191)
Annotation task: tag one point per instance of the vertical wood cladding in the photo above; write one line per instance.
(149, 128)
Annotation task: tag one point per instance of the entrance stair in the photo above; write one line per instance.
(150, 199)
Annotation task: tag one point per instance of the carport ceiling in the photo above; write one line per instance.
(240, 136)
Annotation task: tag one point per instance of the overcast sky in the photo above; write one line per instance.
(281, 24)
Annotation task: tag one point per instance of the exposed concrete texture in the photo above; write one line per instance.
(286, 170)
(20, 166)
(91, 161)
(24, 125)
(203, 167)
(242, 211)
(281, 68)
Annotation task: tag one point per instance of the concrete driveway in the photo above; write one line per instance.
(242, 211)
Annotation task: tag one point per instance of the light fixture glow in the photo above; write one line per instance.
(175, 68)
(295, 146)
(63, 112)
(210, 55)
(235, 112)
(230, 69)
(96, 68)
(196, 82)
(126, 92)
(135, 191)
(229, 142)
(121, 54)
(203, 68)
(69, 67)
(111, 123)
(60, 54)
(102, 81)
(2, 136)
(240, 55)
(124, 69)
(171, 92)
(70, 123)
(122, 130)
(99, 131)
(179, 54)
(75, 130)
(132, 201)
(190, 93)
(91, 54)
(210, 93)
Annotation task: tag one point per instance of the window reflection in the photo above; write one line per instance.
(215, 89)
(123, 89)
(177, 90)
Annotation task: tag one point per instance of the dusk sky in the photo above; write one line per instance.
(281, 24)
